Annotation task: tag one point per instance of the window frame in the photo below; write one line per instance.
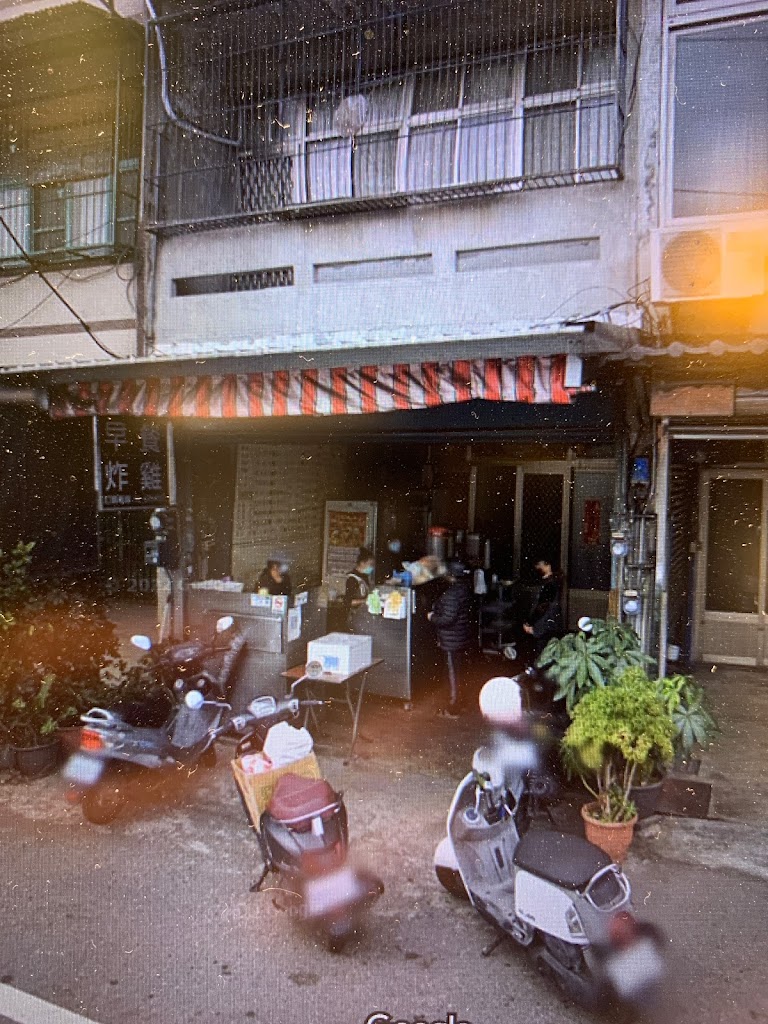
(691, 25)
(64, 204)
(514, 108)
(577, 95)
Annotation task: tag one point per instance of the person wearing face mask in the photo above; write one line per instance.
(545, 619)
(275, 579)
(359, 582)
(392, 561)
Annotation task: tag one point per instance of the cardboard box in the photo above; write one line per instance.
(341, 653)
(257, 790)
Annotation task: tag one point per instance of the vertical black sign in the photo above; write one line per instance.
(132, 462)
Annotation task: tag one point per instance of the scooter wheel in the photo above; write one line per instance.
(451, 881)
(337, 936)
(104, 801)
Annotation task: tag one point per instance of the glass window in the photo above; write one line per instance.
(720, 120)
(550, 139)
(14, 206)
(374, 164)
(733, 545)
(431, 153)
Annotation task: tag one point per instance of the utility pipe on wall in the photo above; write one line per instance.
(37, 397)
(662, 541)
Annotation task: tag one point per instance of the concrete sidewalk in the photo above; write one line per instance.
(735, 835)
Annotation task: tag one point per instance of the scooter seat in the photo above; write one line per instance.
(296, 798)
(566, 860)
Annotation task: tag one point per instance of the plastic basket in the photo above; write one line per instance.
(257, 790)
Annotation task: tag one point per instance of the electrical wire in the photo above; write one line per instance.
(55, 291)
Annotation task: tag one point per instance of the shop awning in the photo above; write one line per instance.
(322, 392)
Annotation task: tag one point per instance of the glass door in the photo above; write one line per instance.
(731, 578)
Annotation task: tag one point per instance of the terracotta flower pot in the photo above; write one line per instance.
(614, 837)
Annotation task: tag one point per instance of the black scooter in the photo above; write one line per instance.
(303, 833)
(123, 753)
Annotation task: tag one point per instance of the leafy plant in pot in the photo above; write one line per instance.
(32, 723)
(686, 704)
(616, 733)
(593, 657)
(56, 645)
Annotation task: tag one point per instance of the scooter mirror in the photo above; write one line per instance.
(142, 642)
(224, 623)
(194, 700)
(314, 669)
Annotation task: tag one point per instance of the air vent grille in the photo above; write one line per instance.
(240, 281)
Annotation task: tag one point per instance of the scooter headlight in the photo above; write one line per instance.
(574, 923)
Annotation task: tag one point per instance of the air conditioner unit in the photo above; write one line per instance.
(709, 261)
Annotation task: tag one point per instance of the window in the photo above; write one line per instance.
(69, 218)
(719, 119)
(70, 135)
(569, 109)
(421, 100)
(452, 126)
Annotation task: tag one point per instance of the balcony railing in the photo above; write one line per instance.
(272, 114)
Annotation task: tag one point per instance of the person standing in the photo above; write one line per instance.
(358, 585)
(275, 579)
(545, 619)
(451, 616)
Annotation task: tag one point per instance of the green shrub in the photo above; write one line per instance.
(617, 734)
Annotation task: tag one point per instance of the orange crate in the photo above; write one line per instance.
(257, 790)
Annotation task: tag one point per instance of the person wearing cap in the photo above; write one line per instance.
(275, 579)
(451, 616)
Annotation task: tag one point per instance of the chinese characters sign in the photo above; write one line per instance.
(132, 458)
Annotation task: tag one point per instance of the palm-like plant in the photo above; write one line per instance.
(580, 662)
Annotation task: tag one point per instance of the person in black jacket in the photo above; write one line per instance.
(546, 616)
(451, 616)
(358, 586)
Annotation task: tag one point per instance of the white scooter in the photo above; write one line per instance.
(557, 895)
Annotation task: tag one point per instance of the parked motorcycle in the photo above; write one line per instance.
(557, 895)
(121, 751)
(303, 833)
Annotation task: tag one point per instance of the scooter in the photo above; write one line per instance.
(120, 752)
(303, 833)
(557, 895)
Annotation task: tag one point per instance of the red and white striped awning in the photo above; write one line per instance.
(339, 391)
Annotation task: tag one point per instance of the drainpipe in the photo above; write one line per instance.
(662, 541)
(37, 397)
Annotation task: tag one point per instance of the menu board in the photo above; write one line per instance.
(349, 526)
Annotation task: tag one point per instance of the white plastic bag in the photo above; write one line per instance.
(285, 744)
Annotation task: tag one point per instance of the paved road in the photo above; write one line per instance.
(150, 920)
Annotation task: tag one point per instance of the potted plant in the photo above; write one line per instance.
(58, 652)
(616, 734)
(685, 701)
(32, 726)
(593, 657)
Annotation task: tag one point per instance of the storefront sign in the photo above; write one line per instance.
(132, 463)
(705, 400)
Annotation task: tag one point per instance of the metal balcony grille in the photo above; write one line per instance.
(70, 136)
(281, 109)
